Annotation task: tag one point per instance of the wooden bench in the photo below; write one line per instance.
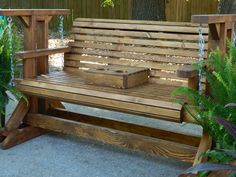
(162, 47)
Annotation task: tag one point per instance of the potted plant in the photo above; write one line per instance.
(6, 86)
(220, 72)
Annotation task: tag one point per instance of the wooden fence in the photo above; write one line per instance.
(176, 10)
(79, 8)
(182, 10)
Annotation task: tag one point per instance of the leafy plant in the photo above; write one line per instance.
(5, 68)
(220, 73)
(205, 167)
(221, 155)
(213, 112)
(108, 3)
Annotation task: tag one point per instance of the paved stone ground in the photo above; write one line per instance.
(56, 155)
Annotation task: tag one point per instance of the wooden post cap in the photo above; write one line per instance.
(187, 72)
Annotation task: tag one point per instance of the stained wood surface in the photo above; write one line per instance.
(30, 68)
(114, 137)
(214, 18)
(155, 132)
(149, 99)
(41, 52)
(205, 145)
(17, 116)
(147, 22)
(187, 72)
(100, 43)
(161, 46)
(117, 76)
(20, 136)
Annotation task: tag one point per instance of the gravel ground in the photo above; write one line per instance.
(56, 155)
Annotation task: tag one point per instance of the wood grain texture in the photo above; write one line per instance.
(117, 76)
(205, 144)
(162, 47)
(160, 133)
(158, 46)
(138, 34)
(30, 68)
(20, 136)
(213, 18)
(187, 72)
(41, 52)
(17, 116)
(42, 42)
(136, 27)
(114, 137)
(155, 112)
(125, 103)
(69, 85)
(137, 41)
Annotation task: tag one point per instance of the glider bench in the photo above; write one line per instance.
(120, 65)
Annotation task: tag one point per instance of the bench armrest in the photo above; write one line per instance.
(41, 52)
(213, 18)
(187, 72)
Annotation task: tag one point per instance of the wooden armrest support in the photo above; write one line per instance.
(41, 52)
(187, 72)
(214, 18)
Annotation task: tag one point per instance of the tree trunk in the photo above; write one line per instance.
(148, 10)
(227, 7)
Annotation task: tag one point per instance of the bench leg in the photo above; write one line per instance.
(205, 144)
(17, 116)
(12, 134)
(19, 136)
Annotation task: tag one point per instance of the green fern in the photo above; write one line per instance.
(220, 73)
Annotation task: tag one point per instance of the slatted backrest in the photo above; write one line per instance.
(161, 46)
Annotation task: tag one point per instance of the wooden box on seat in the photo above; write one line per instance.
(117, 76)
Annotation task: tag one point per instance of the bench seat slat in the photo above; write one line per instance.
(163, 93)
(166, 114)
(68, 86)
(121, 97)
